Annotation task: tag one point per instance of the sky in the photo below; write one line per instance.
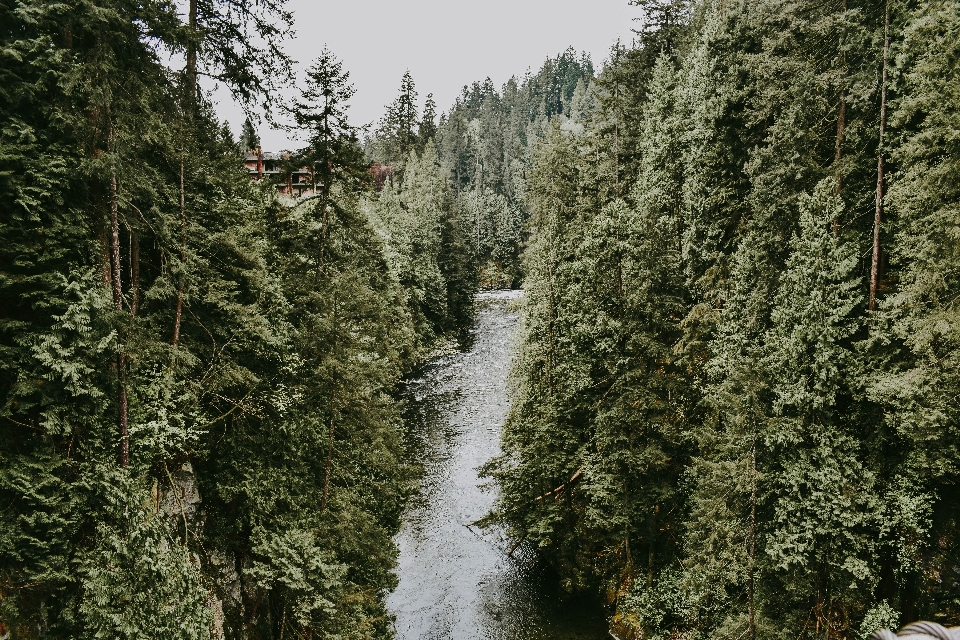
(445, 44)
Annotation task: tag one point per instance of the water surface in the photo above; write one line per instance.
(456, 581)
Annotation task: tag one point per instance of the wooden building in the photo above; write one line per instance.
(275, 167)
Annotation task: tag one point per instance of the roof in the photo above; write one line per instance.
(249, 156)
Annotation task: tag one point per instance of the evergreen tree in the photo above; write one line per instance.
(396, 135)
(821, 531)
(427, 130)
(485, 144)
(916, 331)
(249, 139)
(237, 43)
(737, 379)
(734, 404)
(411, 221)
(168, 317)
(334, 153)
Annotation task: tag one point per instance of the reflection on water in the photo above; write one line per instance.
(456, 581)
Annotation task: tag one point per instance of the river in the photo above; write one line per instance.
(456, 581)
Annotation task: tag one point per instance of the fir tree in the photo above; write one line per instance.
(249, 140)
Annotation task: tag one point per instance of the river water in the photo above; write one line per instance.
(456, 581)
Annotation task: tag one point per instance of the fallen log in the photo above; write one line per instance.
(556, 492)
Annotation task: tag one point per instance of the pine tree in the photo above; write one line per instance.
(396, 134)
(412, 221)
(333, 153)
(427, 130)
(237, 43)
(249, 140)
(159, 341)
(77, 434)
(820, 537)
(916, 335)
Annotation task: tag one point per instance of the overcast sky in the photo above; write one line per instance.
(444, 43)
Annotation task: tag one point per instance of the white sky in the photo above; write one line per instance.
(444, 44)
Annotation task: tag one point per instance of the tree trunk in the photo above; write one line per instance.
(326, 479)
(616, 125)
(106, 271)
(191, 99)
(841, 125)
(324, 220)
(841, 129)
(192, 54)
(826, 617)
(751, 584)
(875, 265)
(550, 326)
(117, 297)
(183, 258)
(115, 241)
(134, 274)
(651, 546)
(620, 260)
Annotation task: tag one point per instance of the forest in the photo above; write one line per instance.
(735, 401)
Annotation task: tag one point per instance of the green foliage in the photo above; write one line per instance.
(425, 247)
(708, 422)
(333, 153)
(483, 146)
(398, 132)
(138, 583)
(882, 616)
(917, 325)
(198, 436)
(239, 44)
(248, 136)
